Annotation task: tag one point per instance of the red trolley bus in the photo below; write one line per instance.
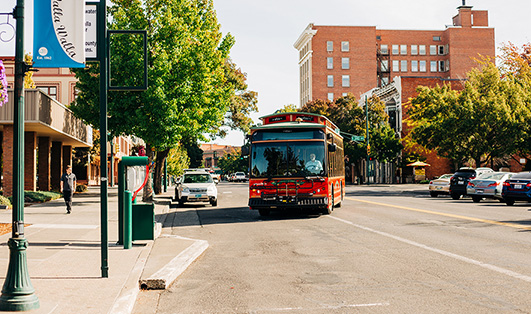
(296, 161)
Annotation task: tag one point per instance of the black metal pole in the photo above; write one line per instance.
(103, 55)
(18, 293)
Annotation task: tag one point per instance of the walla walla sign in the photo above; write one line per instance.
(59, 34)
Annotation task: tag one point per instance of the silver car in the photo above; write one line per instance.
(441, 185)
(487, 185)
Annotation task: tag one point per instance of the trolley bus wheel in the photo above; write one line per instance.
(264, 212)
(328, 210)
(341, 199)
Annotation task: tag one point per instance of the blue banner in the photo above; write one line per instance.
(59, 34)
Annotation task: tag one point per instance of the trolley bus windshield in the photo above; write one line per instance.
(293, 158)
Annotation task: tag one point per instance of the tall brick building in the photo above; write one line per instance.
(336, 60)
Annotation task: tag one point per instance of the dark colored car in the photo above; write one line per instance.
(517, 188)
(459, 181)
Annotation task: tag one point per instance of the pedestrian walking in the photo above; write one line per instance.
(68, 186)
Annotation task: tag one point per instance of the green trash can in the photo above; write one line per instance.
(143, 221)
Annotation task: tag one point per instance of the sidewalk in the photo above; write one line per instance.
(64, 256)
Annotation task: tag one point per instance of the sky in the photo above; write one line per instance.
(265, 31)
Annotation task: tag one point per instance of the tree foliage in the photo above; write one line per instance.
(191, 82)
(488, 119)
(243, 102)
(350, 117)
(233, 162)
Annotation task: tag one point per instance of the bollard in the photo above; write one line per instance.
(128, 220)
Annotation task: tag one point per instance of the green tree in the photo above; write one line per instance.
(233, 162)
(350, 117)
(187, 94)
(288, 108)
(484, 121)
(243, 102)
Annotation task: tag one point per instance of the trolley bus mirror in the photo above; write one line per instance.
(332, 147)
(245, 150)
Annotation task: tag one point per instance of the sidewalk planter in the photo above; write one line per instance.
(144, 221)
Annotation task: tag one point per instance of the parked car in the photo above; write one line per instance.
(517, 188)
(240, 177)
(196, 186)
(488, 185)
(459, 181)
(441, 185)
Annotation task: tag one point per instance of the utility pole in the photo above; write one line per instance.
(18, 293)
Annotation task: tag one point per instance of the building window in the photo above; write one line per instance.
(345, 81)
(433, 50)
(422, 50)
(384, 66)
(422, 66)
(442, 68)
(414, 50)
(396, 66)
(433, 66)
(329, 46)
(385, 81)
(329, 63)
(345, 63)
(384, 49)
(403, 49)
(330, 81)
(331, 96)
(414, 66)
(394, 49)
(403, 66)
(49, 90)
(378, 37)
(436, 38)
(344, 46)
(344, 94)
(441, 50)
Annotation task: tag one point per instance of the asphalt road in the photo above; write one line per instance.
(388, 249)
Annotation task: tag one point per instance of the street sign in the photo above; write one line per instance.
(91, 31)
(358, 138)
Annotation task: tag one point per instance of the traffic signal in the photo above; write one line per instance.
(368, 149)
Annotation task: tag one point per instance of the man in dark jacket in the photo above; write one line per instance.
(68, 186)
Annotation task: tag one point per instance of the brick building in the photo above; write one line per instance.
(336, 60)
(212, 152)
(52, 132)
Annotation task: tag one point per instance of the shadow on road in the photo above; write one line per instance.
(200, 215)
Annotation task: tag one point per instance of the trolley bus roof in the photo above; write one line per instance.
(296, 120)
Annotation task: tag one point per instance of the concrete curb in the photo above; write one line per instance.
(125, 302)
(163, 278)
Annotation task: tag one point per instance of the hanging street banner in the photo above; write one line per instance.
(59, 34)
(91, 14)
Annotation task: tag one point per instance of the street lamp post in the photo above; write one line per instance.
(18, 293)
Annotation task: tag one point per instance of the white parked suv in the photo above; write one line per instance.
(240, 177)
(196, 186)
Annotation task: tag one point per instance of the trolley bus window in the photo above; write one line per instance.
(287, 159)
(288, 134)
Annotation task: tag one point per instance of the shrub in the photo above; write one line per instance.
(81, 188)
(39, 196)
(5, 201)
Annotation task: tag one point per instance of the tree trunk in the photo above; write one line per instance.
(147, 195)
(159, 169)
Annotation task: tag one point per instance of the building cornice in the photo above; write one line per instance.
(306, 36)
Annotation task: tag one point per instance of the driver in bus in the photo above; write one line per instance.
(314, 165)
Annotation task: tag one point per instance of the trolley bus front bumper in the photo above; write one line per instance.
(288, 202)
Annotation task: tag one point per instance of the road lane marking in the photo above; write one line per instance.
(324, 307)
(442, 252)
(488, 221)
